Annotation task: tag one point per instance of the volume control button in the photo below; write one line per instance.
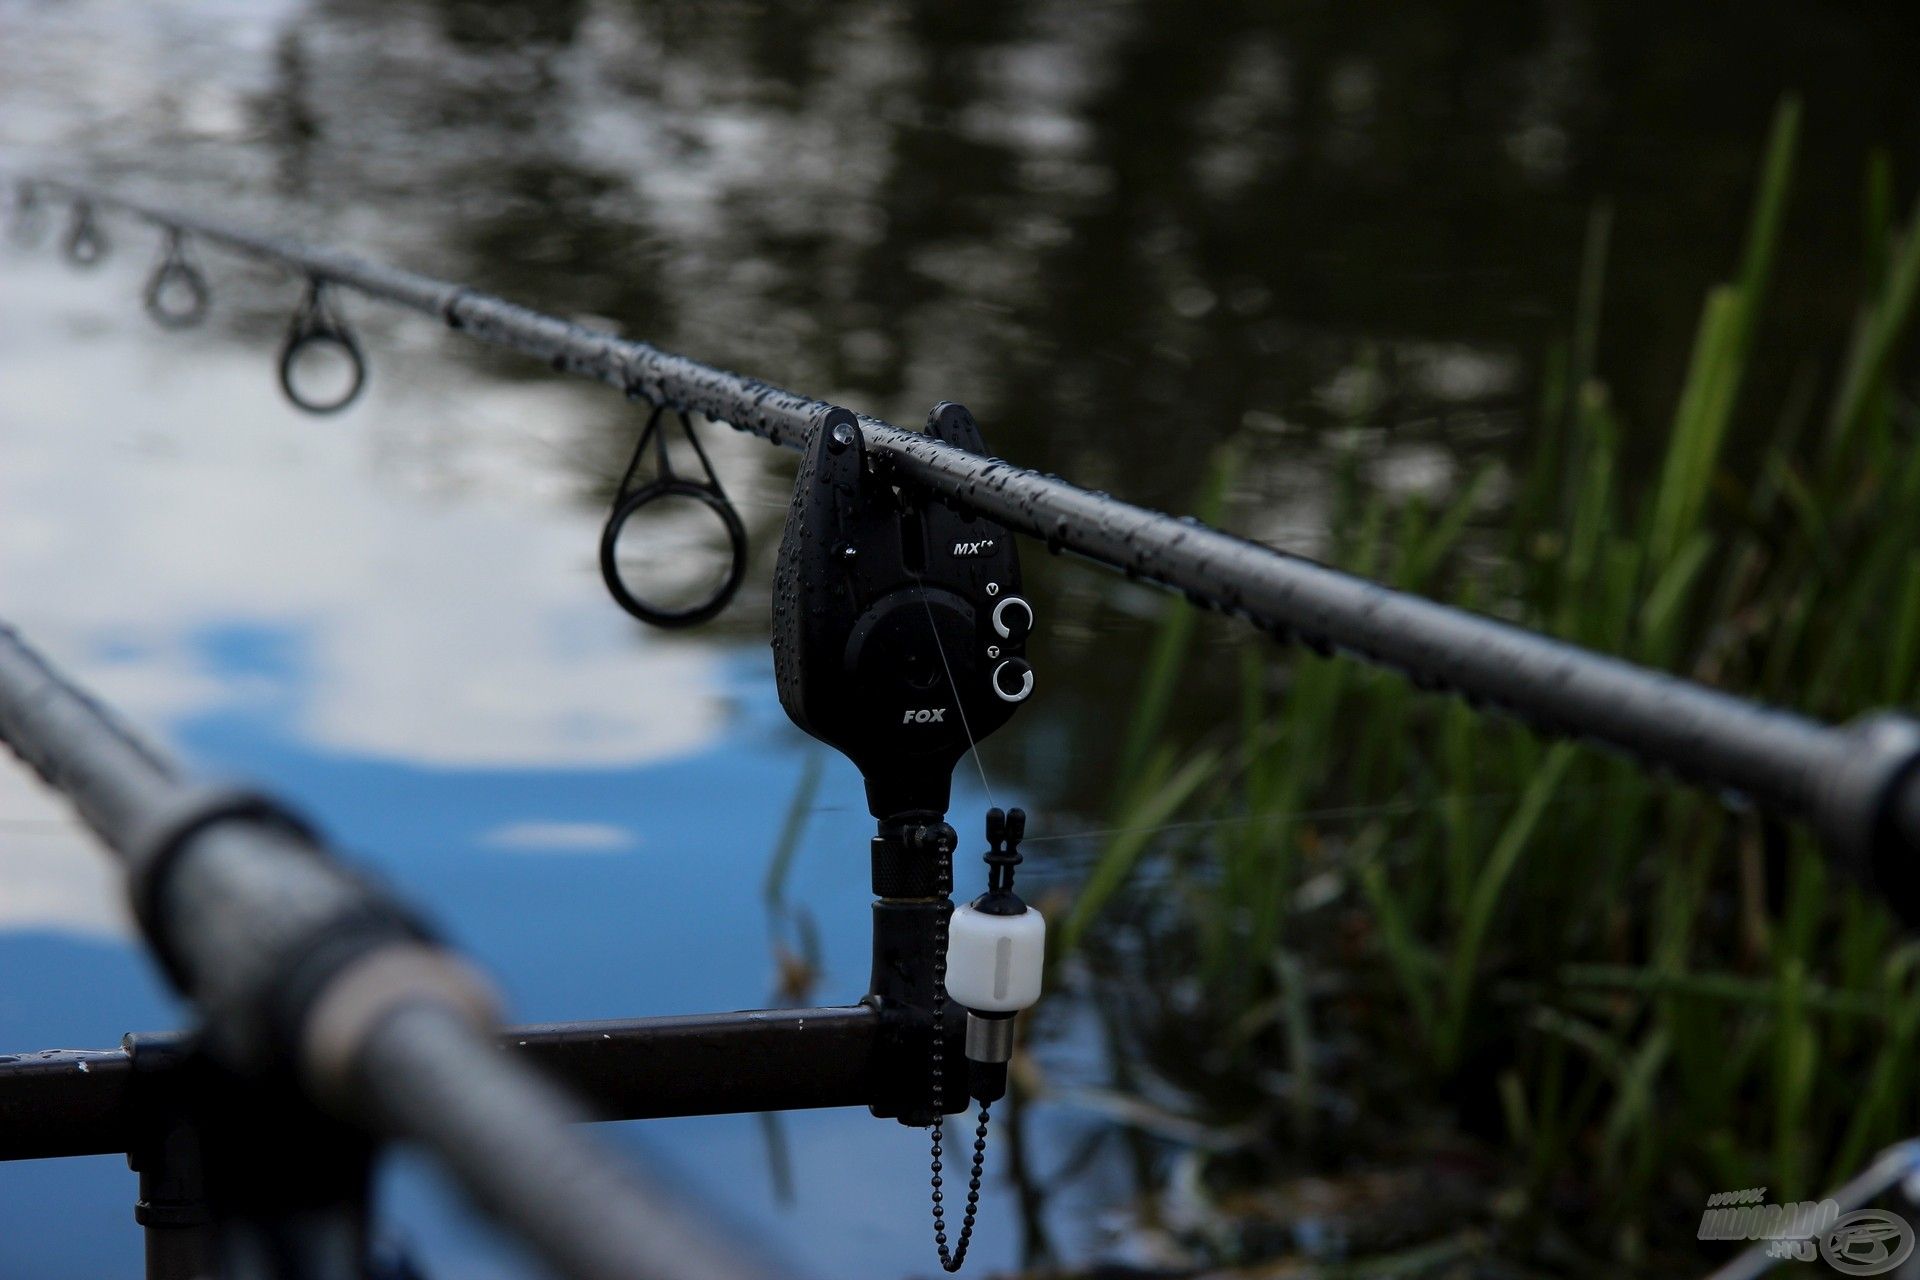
(1013, 618)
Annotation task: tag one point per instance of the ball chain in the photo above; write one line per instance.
(950, 1259)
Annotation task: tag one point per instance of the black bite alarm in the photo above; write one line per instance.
(899, 630)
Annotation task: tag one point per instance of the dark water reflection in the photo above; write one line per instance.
(1124, 234)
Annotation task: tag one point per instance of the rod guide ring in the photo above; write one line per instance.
(86, 243)
(314, 326)
(176, 272)
(718, 599)
(668, 483)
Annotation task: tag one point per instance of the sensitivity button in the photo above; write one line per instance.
(1013, 680)
(1013, 619)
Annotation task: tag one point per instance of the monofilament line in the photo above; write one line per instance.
(959, 703)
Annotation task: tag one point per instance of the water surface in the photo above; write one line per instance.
(1122, 235)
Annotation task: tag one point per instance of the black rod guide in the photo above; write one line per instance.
(1855, 785)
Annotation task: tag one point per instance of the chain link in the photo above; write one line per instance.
(950, 1259)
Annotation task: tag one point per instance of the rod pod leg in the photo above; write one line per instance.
(241, 1177)
(908, 909)
(167, 1156)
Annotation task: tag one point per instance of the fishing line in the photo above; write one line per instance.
(1483, 799)
(593, 470)
(953, 1259)
(959, 703)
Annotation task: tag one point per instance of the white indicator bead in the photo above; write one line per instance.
(994, 962)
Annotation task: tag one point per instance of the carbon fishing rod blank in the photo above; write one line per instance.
(177, 295)
(666, 488)
(315, 328)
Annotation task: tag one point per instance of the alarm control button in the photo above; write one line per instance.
(1013, 618)
(1013, 680)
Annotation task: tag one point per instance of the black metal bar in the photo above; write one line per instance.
(81, 1102)
(709, 1063)
(65, 1102)
(306, 973)
(172, 1210)
(167, 1147)
(506, 1131)
(910, 907)
(1843, 782)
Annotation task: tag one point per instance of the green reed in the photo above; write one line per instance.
(1622, 994)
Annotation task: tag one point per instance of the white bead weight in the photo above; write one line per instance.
(994, 962)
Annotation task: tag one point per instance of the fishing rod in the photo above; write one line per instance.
(895, 603)
(1855, 784)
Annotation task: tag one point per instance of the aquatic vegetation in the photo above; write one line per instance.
(1388, 932)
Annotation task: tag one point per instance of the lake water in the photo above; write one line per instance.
(433, 669)
(1123, 236)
